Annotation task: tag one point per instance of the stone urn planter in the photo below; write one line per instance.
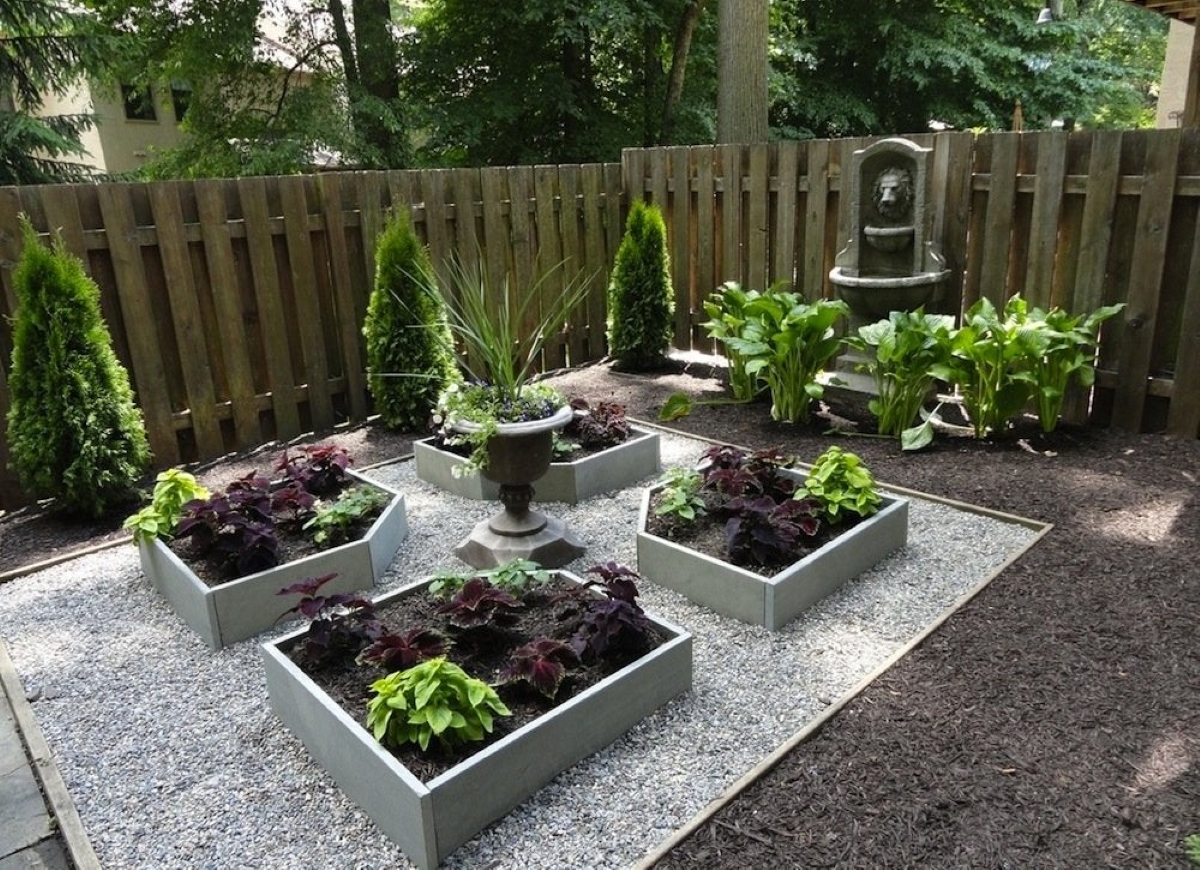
(772, 601)
(247, 606)
(429, 820)
(569, 482)
(518, 454)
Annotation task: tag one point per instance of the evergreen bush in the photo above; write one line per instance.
(641, 302)
(74, 432)
(408, 342)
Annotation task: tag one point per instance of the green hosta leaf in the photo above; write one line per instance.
(676, 406)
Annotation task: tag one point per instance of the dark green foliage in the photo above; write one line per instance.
(408, 342)
(641, 303)
(74, 432)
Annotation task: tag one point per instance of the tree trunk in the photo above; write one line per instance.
(679, 56)
(742, 70)
(377, 116)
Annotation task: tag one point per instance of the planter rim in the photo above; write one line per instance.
(527, 427)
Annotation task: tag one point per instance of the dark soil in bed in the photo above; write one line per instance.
(1054, 721)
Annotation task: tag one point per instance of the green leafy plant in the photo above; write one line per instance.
(904, 353)
(74, 432)
(516, 577)
(681, 498)
(334, 522)
(1191, 845)
(992, 364)
(435, 699)
(173, 488)
(726, 309)
(641, 302)
(1065, 346)
(787, 342)
(842, 484)
(405, 330)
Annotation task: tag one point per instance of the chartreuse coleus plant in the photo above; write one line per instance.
(726, 309)
(333, 522)
(433, 700)
(903, 356)
(842, 485)
(786, 342)
(1192, 846)
(173, 489)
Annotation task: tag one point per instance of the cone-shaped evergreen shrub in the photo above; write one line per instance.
(406, 331)
(641, 303)
(74, 432)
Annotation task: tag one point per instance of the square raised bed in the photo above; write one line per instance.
(250, 605)
(571, 482)
(771, 601)
(429, 820)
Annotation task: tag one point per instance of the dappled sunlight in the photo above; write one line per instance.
(1167, 759)
(1149, 520)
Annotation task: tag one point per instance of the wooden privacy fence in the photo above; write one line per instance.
(237, 304)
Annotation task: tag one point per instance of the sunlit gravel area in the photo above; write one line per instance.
(174, 758)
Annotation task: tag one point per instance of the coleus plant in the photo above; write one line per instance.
(320, 468)
(397, 651)
(479, 603)
(615, 621)
(236, 527)
(542, 664)
(597, 426)
(340, 624)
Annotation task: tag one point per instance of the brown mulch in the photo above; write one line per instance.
(1054, 721)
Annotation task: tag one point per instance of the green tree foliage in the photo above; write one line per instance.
(852, 67)
(641, 302)
(74, 431)
(494, 82)
(45, 47)
(406, 331)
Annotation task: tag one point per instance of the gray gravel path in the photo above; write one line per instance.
(175, 760)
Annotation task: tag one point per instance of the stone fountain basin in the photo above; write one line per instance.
(880, 295)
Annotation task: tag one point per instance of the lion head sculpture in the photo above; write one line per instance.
(893, 193)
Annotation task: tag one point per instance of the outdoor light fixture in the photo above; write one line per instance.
(1045, 16)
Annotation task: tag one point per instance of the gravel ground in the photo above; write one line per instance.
(175, 760)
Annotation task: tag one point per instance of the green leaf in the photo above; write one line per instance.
(676, 406)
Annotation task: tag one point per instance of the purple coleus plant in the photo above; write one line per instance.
(542, 664)
(235, 527)
(320, 469)
(340, 625)
(395, 652)
(762, 532)
(614, 622)
(598, 426)
(479, 603)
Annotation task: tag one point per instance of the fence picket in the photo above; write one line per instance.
(349, 307)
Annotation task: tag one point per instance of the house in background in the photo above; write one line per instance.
(129, 124)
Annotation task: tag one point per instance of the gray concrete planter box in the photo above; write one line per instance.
(567, 482)
(429, 820)
(250, 605)
(770, 601)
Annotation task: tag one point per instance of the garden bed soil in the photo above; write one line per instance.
(1053, 721)
(482, 653)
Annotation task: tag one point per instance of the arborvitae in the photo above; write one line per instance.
(641, 304)
(74, 432)
(406, 331)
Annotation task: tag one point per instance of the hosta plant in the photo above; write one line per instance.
(904, 354)
(786, 342)
(726, 309)
(1065, 346)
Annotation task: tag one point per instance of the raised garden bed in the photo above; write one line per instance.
(771, 601)
(430, 818)
(238, 609)
(568, 482)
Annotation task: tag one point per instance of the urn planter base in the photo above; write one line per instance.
(430, 819)
(551, 546)
(771, 601)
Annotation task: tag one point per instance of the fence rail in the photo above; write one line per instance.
(237, 304)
